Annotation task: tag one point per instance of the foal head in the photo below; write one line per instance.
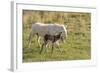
(57, 37)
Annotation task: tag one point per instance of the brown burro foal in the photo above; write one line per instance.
(52, 38)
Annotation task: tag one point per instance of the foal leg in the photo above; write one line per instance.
(52, 47)
(41, 48)
(45, 43)
(46, 49)
(58, 46)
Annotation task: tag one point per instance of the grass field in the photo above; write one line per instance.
(78, 42)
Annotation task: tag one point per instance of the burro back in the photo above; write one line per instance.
(53, 29)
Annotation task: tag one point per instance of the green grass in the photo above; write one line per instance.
(72, 49)
(77, 45)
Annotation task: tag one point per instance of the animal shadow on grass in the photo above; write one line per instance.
(55, 51)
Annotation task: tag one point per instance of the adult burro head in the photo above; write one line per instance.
(43, 29)
(62, 28)
(64, 31)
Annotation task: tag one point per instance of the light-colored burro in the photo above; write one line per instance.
(41, 30)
